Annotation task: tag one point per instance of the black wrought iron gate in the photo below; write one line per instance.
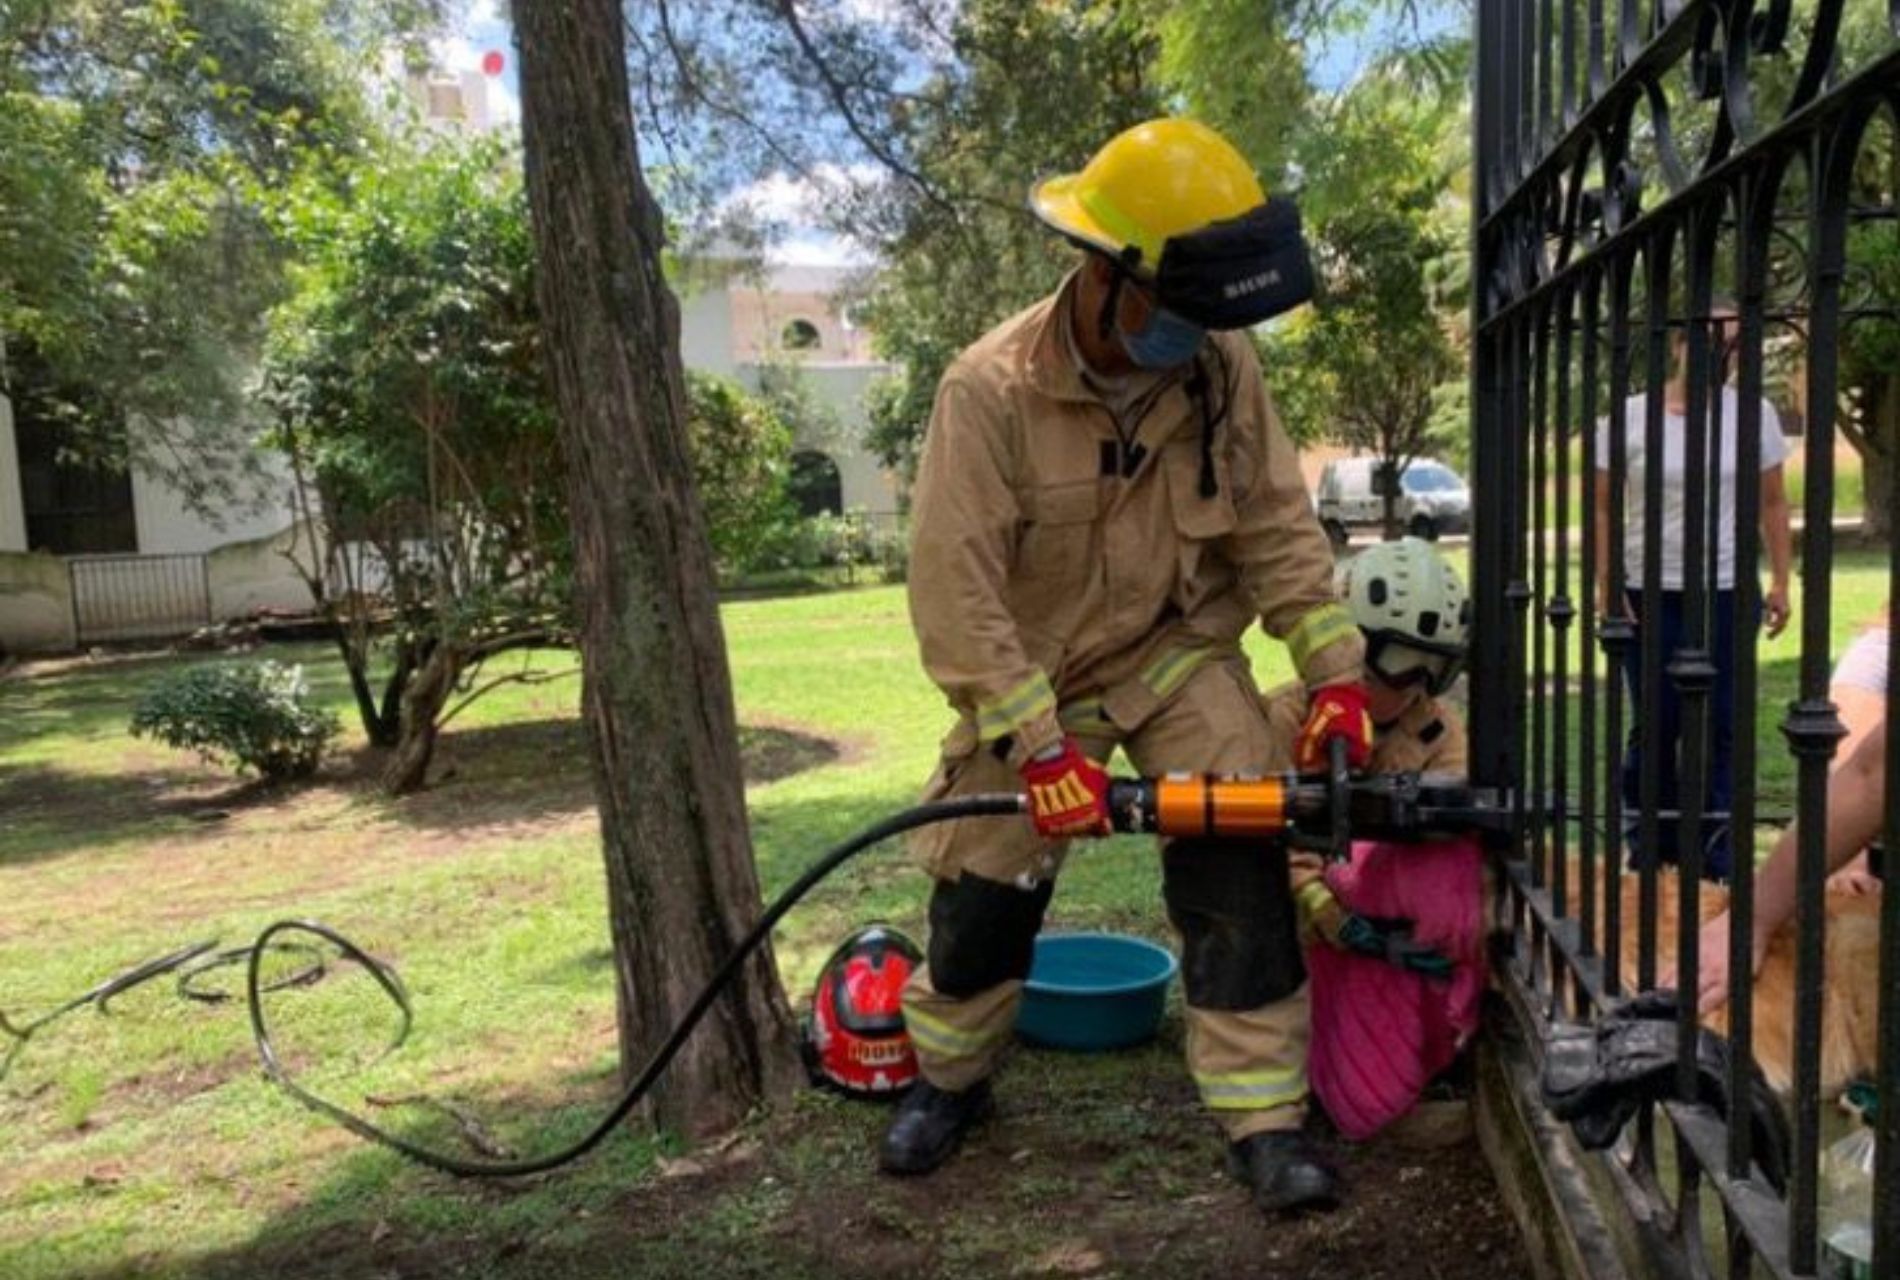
(1708, 187)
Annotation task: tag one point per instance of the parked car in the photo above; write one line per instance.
(1433, 499)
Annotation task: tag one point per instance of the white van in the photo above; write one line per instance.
(1433, 499)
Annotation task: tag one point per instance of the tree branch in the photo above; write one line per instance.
(840, 97)
(513, 677)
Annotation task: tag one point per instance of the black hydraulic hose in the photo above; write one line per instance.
(909, 819)
(190, 963)
(101, 995)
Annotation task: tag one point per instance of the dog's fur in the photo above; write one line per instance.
(1851, 991)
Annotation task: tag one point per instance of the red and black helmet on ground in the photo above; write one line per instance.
(855, 1039)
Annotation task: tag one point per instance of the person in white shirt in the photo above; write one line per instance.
(1725, 417)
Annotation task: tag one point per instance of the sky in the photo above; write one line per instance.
(788, 199)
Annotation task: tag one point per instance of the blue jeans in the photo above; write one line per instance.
(1718, 797)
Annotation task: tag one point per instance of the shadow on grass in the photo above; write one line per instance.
(52, 811)
(535, 769)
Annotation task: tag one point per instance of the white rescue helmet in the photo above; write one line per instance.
(1414, 611)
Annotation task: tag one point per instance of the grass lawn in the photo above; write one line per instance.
(147, 1142)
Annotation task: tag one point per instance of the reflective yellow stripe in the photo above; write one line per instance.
(942, 1039)
(1326, 625)
(1312, 899)
(1171, 670)
(1086, 718)
(1028, 700)
(1314, 895)
(1119, 225)
(1252, 1090)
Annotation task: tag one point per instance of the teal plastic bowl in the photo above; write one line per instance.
(1094, 991)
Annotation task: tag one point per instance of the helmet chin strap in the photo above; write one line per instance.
(1122, 265)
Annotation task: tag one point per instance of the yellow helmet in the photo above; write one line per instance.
(1147, 185)
(1173, 202)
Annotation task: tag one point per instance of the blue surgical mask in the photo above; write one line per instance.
(1164, 342)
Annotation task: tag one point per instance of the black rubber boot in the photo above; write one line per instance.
(929, 1124)
(1283, 1172)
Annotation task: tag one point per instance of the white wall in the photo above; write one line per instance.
(867, 485)
(12, 501)
(706, 330)
(168, 526)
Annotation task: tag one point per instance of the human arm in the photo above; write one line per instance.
(965, 518)
(1600, 498)
(1778, 538)
(1856, 806)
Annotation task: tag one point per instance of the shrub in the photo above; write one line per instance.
(255, 714)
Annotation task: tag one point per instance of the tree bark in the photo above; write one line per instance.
(656, 695)
(424, 697)
(1882, 438)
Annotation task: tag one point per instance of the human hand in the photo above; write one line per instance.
(1068, 793)
(1712, 967)
(1776, 609)
(1855, 879)
(1337, 711)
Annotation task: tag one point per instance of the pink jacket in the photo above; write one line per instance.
(1380, 1033)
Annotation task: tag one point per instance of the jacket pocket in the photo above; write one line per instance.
(1057, 550)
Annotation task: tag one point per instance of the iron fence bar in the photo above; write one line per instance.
(1518, 591)
(1617, 632)
(1559, 611)
(1544, 829)
(1812, 727)
(1586, 646)
(1649, 626)
(1752, 201)
(1689, 669)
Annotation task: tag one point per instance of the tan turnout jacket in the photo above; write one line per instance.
(1049, 593)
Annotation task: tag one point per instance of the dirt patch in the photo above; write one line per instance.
(1102, 1170)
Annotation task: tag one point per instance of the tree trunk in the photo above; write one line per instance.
(656, 694)
(1882, 438)
(423, 700)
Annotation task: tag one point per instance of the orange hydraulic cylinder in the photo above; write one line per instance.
(1190, 806)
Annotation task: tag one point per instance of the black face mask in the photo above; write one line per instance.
(1234, 274)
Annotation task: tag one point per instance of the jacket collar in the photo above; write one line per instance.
(1047, 361)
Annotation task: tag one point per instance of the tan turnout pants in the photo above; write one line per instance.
(1246, 994)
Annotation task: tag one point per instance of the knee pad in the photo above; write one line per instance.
(982, 932)
(1230, 900)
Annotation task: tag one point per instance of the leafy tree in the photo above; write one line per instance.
(406, 371)
(1367, 362)
(1034, 89)
(741, 452)
(134, 264)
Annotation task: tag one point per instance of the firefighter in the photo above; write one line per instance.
(1105, 502)
(1416, 619)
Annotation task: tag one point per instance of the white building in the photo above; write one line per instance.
(740, 326)
(90, 554)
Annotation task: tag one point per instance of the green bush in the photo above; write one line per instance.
(257, 715)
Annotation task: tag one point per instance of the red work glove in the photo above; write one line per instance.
(1338, 711)
(1068, 794)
